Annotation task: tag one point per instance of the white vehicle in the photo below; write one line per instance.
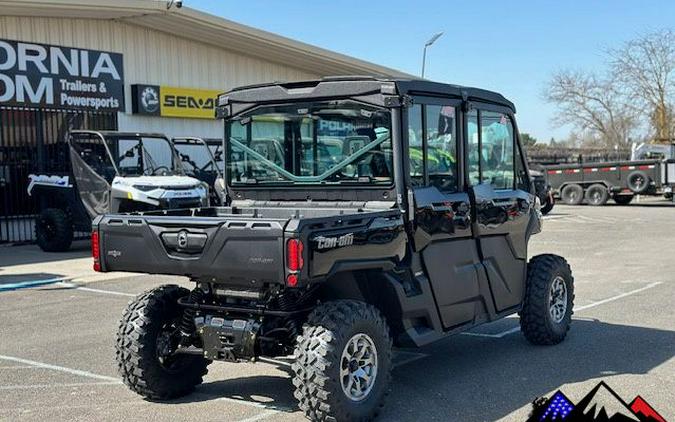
(111, 172)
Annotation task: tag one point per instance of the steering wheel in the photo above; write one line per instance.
(165, 171)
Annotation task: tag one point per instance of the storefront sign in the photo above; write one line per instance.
(41, 75)
(166, 101)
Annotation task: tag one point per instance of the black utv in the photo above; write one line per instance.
(364, 214)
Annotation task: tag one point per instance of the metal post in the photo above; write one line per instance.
(424, 59)
(424, 52)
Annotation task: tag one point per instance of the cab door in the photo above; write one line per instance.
(442, 210)
(504, 205)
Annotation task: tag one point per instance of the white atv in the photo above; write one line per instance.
(112, 172)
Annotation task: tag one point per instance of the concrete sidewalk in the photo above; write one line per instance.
(27, 264)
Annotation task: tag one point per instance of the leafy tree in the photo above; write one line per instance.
(527, 139)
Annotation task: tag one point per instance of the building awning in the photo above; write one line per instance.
(204, 28)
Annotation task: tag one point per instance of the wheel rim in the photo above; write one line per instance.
(166, 344)
(558, 299)
(46, 228)
(358, 367)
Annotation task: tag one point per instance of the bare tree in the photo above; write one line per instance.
(592, 105)
(646, 68)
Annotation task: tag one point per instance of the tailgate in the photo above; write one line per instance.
(229, 250)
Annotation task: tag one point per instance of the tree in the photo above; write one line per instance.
(593, 105)
(527, 139)
(645, 67)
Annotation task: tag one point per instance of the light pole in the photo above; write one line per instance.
(428, 43)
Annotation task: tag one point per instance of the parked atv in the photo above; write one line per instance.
(203, 160)
(337, 258)
(110, 172)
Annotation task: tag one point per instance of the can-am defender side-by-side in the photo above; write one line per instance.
(110, 172)
(364, 214)
(203, 159)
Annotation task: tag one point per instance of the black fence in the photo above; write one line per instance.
(538, 156)
(32, 141)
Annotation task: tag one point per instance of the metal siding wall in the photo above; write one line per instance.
(157, 58)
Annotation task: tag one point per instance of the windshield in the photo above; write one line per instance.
(336, 142)
(143, 156)
(198, 157)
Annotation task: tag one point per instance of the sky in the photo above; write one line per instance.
(511, 47)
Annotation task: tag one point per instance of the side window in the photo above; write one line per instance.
(432, 146)
(441, 151)
(416, 156)
(522, 178)
(496, 158)
(474, 153)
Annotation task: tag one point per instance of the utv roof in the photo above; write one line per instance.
(359, 85)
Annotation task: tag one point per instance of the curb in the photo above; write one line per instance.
(29, 284)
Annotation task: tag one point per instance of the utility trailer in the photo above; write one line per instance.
(596, 183)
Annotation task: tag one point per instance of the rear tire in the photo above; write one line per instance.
(546, 314)
(638, 182)
(143, 333)
(335, 378)
(622, 199)
(53, 230)
(572, 194)
(597, 195)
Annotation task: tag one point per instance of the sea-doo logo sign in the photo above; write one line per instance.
(175, 102)
(334, 242)
(46, 75)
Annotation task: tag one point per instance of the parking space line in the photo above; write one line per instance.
(577, 309)
(264, 415)
(620, 296)
(414, 357)
(61, 385)
(91, 290)
(59, 368)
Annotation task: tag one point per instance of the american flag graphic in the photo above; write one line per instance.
(558, 409)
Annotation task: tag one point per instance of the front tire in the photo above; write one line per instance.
(548, 206)
(546, 314)
(53, 230)
(145, 332)
(342, 362)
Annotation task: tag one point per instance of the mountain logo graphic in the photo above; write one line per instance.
(601, 404)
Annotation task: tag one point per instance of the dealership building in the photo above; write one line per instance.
(129, 65)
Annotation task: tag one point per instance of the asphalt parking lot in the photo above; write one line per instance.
(57, 358)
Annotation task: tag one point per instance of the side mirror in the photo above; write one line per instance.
(184, 158)
(129, 154)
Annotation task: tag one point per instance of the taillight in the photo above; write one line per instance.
(96, 250)
(294, 248)
(292, 280)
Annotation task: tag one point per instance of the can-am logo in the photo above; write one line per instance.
(47, 75)
(150, 99)
(334, 242)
